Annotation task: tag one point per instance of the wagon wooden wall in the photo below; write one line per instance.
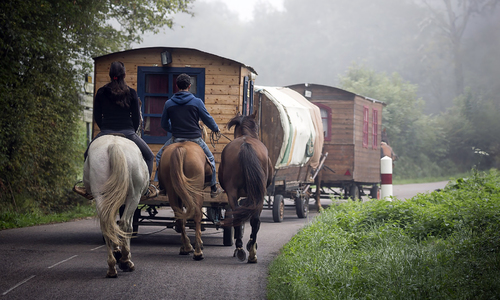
(223, 82)
(346, 154)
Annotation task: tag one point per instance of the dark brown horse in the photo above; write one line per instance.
(184, 171)
(245, 171)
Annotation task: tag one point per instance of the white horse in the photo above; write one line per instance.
(116, 174)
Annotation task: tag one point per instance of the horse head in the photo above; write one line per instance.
(244, 125)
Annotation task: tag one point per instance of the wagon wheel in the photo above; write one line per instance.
(278, 208)
(354, 192)
(374, 192)
(135, 222)
(302, 206)
(227, 233)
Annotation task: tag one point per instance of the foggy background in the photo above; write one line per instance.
(316, 41)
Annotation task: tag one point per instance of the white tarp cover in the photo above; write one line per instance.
(301, 134)
(317, 122)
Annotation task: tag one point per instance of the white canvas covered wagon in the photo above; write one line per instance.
(292, 130)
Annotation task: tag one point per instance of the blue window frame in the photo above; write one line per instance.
(248, 89)
(155, 85)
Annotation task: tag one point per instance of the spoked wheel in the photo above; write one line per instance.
(227, 235)
(302, 206)
(278, 208)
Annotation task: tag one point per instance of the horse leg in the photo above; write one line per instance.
(124, 262)
(252, 243)
(111, 258)
(186, 247)
(238, 236)
(238, 230)
(198, 244)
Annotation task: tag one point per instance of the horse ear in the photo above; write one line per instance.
(254, 115)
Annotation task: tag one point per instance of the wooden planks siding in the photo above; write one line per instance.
(345, 150)
(223, 82)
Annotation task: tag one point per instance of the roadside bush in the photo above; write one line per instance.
(441, 245)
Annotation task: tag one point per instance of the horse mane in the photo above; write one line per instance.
(245, 125)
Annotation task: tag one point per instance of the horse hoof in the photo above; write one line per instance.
(112, 275)
(240, 254)
(183, 251)
(252, 261)
(126, 266)
(250, 243)
(198, 257)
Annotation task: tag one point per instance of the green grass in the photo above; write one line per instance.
(32, 217)
(442, 245)
(429, 179)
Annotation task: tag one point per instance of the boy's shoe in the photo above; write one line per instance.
(152, 191)
(215, 191)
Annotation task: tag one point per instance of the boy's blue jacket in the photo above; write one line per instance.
(181, 114)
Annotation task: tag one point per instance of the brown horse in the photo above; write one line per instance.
(245, 171)
(184, 172)
(386, 150)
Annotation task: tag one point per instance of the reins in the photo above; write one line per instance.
(215, 137)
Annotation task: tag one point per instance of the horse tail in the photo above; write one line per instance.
(114, 194)
(255, 180)
(182, 185)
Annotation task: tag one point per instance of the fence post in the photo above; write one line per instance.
(386, 177)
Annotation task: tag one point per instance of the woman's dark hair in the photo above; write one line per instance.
(118, 87)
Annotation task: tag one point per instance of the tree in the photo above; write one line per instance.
(45, 48)
(470, 127)
(451, 18)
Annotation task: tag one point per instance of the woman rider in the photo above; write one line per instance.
(117, 110)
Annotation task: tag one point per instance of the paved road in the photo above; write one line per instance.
(407, 191)
(68, 261)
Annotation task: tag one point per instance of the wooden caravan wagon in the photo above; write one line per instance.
(225, 85)
(352, 131)
(291, 128)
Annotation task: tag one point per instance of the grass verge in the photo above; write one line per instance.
(442, 245)
(12, 219)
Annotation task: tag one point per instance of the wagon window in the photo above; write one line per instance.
(375, 129)
(365, 126)
(155, 85)
(326, 118)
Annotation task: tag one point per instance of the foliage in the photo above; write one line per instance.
(451, 142)
(442, 245)
(469, 125)
(413, 136)
(35, 216)
(45, 46)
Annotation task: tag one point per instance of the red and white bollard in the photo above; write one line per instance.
(386, 178)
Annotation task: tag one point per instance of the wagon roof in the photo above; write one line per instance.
(176, 48)
(336, 88)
